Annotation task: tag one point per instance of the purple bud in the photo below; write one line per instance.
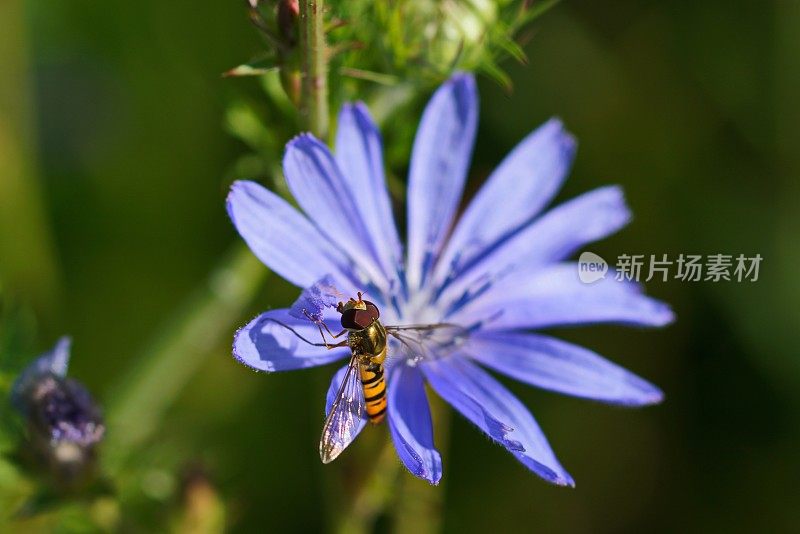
(64, 423)
(62, 410)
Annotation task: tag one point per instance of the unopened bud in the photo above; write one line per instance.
(288, 15)
(64, 423)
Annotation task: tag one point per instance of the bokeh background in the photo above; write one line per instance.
(116, 116)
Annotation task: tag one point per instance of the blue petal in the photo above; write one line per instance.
(360, 157)
(554, 296)
(484, 401)
(265, 345)
(553, 237)
(559, 366)
(282, 238)
(320, 189)
(523, 184)
(316, 299)
(54, 362)
(410, 423)
(439, 164)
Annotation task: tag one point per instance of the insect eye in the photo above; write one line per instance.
(372, 310)
(349, 319)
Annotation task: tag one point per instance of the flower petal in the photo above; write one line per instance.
(555, 296)
(359, 154)
(320, 189)
(523, 184)
(551, 238)
(53, 362)
(559, 366)
(484, 401)
(265, 345)
(410, 423)
(316, 301)
(282, 238)
(439, 164)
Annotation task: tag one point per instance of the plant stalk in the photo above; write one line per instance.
(375, 493)
(416, 505)
(418, 509)
(27, 262)
(137, 406)
(314, 107)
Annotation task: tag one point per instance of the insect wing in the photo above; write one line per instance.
(416, 342)
(347, 413)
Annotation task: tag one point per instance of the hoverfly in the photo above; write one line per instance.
(363, 388)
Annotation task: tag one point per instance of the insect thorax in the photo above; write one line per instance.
(369, 344)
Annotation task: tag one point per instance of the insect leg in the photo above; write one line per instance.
(320, 326)
(336, 345)
(325, 343)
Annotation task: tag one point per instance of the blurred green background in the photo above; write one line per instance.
(114, 114)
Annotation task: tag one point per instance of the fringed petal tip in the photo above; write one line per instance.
(428, 469)
(276, 341)
(657, 397)
(410, 424)
(555, 365)
(462, 78)
(567, 142)
(360, 111)
(240, 357)
(563, 479)
(229, 199)
(490, 406)
(660, 314)
(302, 140)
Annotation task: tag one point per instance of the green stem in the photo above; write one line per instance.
(26, 255)
(138, 404)
(417, 504)
(373, 496)
(418, 508)
(314, 106)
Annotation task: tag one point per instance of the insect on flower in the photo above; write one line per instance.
(363, 388)
(462, 295)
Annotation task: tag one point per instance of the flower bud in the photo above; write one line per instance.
(288, 15)
(64, 423)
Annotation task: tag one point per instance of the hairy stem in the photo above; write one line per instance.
(314, 106)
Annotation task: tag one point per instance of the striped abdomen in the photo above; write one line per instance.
(374, 391)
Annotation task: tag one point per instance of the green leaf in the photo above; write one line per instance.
(256, 67)
(529, 15)
(491, 69)
(512, 48)
(377, 77)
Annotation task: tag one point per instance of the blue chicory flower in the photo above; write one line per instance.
(62, 418)
(502, 272)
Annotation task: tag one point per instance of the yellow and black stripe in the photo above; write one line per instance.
(374, 392)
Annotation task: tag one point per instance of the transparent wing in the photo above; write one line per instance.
(416, 342)
(346, 417)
